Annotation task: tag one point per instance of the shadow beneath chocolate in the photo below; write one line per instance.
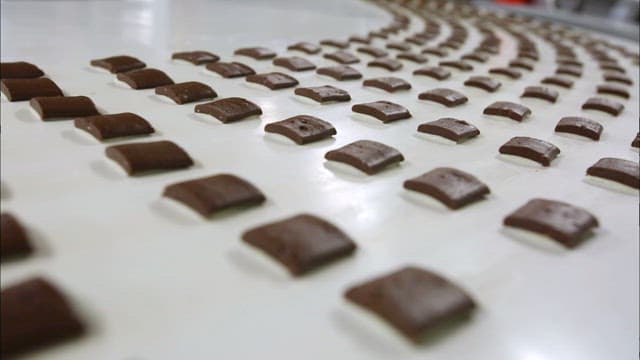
(347, 172)
(97, 70)
(161, 99)
(256, 264)
(369, 121)
(539, 241)
(174, 212)
(524, 162)
(611, 185)
(424, 201)
(27, 115)
(254, 120)
(282, 143)
(437, 139)
(106, 170)
(571, 136)
(78, 138)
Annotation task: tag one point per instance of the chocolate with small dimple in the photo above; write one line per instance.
(197, 57)
(213, 194)
(384, 111)
(413, 57)
(119, 63)
(402, 46)
(301, 243)
(342, 57)
(616, 90)
(302, 129)
(368, 156)
(508, 109)
(305, 47)
(187, 92)
(229, 109)
(56, 107)
(104, 127)
(540, 151)
(540, 92)
(35, 313)
(19, 70)
(452, 187)
(457, 64)
(560, 221)
(619, 170)
(436, 72)
(413, 300)
(636, 141)
(373, 51)
(386, 63)
(335, 43)
(340, 72)
(522, 64)
(273, 80)
(615, 77)
(435, 51)
(452, 129)
(136, 158)
(476, 56)
(509, 72)
(294, 63)
(26, 89)
(569, 70)
(580, 126)
(483, 82)
(558, 81)
(14, 241)
(388, 83)
(145, 78)
(605, 105)
(230, 70)
(324, 94)
(446, 97)
(258, 53)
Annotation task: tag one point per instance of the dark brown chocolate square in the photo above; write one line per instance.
(230, 70)
(342, 57)
(61, 107)
(619, 170)
(616, 90)
(483, 82)
(558, 81)
(476, 56)
(540, 92)
(456, 64)
(19, 70)
(540, 151)
(580, 126)
(616, 77)
(446, 97)
(388, 83)
(368, 156)
(187, 92)
(335, 43)
(386, 63)
(384, 111)
(27, 89)
(197, 57)
(145, 78)
(605, 105)
(508, 109)
(413, 57)
(14, 241)
(435, 51)
(450, 186)
(569, 70)
(294, 63)
(104, 127)
(305, 47)
(436, 72)
(137, 158)
(229, 109)
(452, 129)
(340, 72)
(119, 63)
(373, 51)
(273, 80)
(323, 94)
(258, 53)
(402, 46)
(302, 129)
(506, 71)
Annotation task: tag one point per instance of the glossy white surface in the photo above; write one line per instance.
(156, 281)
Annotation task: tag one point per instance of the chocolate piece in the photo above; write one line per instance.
(258, 53)
(386, 63)
(187, 92)
(605, 105)
(302, 129)
(446, 97)
(612, 89)
(342, 57)
(197, 57)
(26, 89)
(301, 243)
(324, 94)
(483, 82)
(476, 56)
(636, 141)
(522, 64)
(413, 57)
(136, 158)
(452, 129)
(384, 111)
(559, 81)
(14, 241)
(305, 47)
(335, 43)
(145, 78)
(230, 70)
(19, 70)
(580, 126)
(378, 34)
(373, 51)
(368, 156)
(560, 221)
(450, 44)
(412, 300)
(508, 109)
(274, 80)
(615, 77)
(229, 109)
(402, 46)
(435, 72)
(613, 67)
(212, 194)
(416, 40)
(56, 107)
(452, 187)
(569, 70)
(360, 39)
(540, 92)
(294, 63)
(509, 72)
(435, 51)
(619, 170)
(457, 64)
(118, 64)
(568, 61)
(388, 84)
(35, 313)
(104, 127)
(340, 72)
(537, 150)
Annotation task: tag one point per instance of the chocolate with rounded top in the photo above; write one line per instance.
(35, 313)
(456, 64)
(360, 39)
(485, 83)
(119, 63)
(104, 127)
(384, 111)
(145, 78)
(187, 92)
(540, 92)
(622, 171)
(508, 109)
(560, 221)
(388, 83)
(450, 128)
(569, 61)
(446, 97)
(615, 77)
(416, 40)
(368, 156)
(413, 300)
(335, 43)
(323, 94)
(373, 51)
(61, 107)
(14, 241)
(302, 129)
(450, 44)
(569, 70)
(27, 89)
(386, 63)
(558, 81)
(436, 72)
(19, 70)
(506, 71)
(615, 90)
(197, 57)
(613, 68)
(230, 70)
(396, 45)
(452, 187)
(305, 47)
(476, 56)
(413, 57)
(342, 57)
(435, 51)
(258, 52)
(273, 80)
(636, 141)
(580, 126)
(294, 63)
(521, 63)
(537, 150)
(229, 109)
(340, 72)
(212, 194)
(605, 105)
(138, 158)
(301, 243)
